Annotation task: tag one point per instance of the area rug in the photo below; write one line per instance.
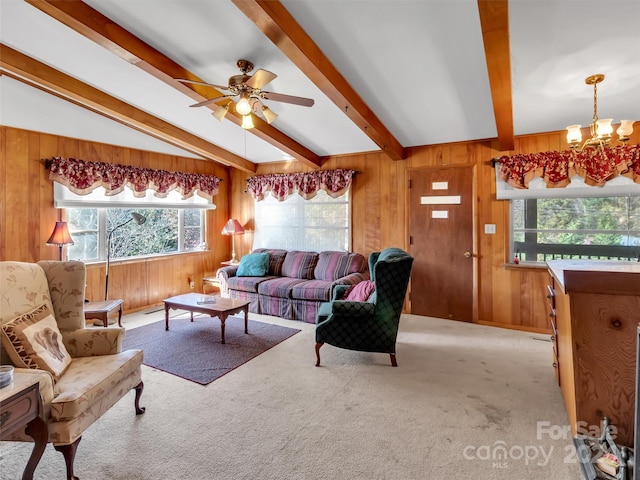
(192, 350)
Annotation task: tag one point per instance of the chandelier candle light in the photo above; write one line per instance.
(233, 228)
(601, 129)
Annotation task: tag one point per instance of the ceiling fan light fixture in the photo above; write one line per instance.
(247, 122)
(269, 115)
(245, 96)
(601, 129)
(243, 107)
(221, 112)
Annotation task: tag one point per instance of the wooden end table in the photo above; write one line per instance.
(102, 310)
(211, 282)
(20, 407)
(209, 305)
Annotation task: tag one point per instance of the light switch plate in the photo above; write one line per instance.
(490, 228)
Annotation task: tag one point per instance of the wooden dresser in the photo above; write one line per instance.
(594, 310)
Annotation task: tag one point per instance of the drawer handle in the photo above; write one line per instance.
(555, 365)
(4, 417)
(553, 338)
(552, 315)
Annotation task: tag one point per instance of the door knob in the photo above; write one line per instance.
(467, 254)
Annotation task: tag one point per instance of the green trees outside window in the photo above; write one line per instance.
(166, 231)
(573, 228)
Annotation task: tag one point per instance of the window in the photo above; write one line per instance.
(172, 225)
(321, 223)
(165, 231)
(572, 228)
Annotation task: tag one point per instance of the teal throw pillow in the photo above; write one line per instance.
(253, 265)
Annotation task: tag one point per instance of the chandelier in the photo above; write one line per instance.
(601, 129)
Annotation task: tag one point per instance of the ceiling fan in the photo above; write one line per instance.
(249, 90)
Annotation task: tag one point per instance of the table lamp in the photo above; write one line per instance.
(60, 237)
(233, 228)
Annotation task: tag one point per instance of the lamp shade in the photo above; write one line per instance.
(247, 122)
(269, 114)
(221, 112)
(604, 129)
(233, 227)
(574, 135)
(625, 129)
(139, 219)
(60, 235)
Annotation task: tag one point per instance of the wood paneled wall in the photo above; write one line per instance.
(27, 216)
(507, 295)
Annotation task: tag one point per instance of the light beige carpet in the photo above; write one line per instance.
(466, 402)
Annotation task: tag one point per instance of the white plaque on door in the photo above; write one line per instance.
(440, 200)
(440, 214)
(440, 185)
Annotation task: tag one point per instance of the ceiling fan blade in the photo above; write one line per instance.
(210, 101)
(279, 97)
(184, 80)
(261, 78)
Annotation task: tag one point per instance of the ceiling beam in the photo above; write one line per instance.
(90, 23)
(24, 68)
(494, 20)
(272, 18)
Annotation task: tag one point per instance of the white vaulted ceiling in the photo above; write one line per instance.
(413, 72)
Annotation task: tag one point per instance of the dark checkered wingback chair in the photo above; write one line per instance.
(368, 326)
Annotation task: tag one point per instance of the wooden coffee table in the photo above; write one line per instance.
(209, 305)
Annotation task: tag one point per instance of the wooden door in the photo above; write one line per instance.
(441, 242)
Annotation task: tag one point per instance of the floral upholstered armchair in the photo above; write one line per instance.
(368, 325)
(83, 372)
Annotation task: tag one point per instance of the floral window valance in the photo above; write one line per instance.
(281, 186)
(595, 166)
(81, 177)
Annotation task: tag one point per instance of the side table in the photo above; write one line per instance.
(20, 407)
(210, 282)
(103, 310)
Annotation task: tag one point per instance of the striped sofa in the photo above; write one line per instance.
(296, 282)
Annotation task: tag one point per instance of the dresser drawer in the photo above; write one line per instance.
(19, 410)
